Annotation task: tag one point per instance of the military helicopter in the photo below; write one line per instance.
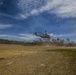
(44, 35)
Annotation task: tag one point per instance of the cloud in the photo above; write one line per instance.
(1, 3)
(27, 8)
(18, 17)
(23, 37)
(4, 26)
(67, 9)
(30, 37)
(62, 8)
(63, 35)
(6, 15)
(3, 35)
(55, 35)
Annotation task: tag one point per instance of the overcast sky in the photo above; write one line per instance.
(19, 19)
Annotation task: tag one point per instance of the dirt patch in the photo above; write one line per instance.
(2, 59)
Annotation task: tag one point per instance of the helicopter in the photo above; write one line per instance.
(44, 35)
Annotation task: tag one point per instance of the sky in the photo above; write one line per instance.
(19, 19)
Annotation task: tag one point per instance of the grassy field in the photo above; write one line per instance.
(37, 60)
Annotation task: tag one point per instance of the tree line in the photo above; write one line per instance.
(62, 42)
(54, 42)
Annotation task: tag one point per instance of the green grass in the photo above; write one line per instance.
(65, 51)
